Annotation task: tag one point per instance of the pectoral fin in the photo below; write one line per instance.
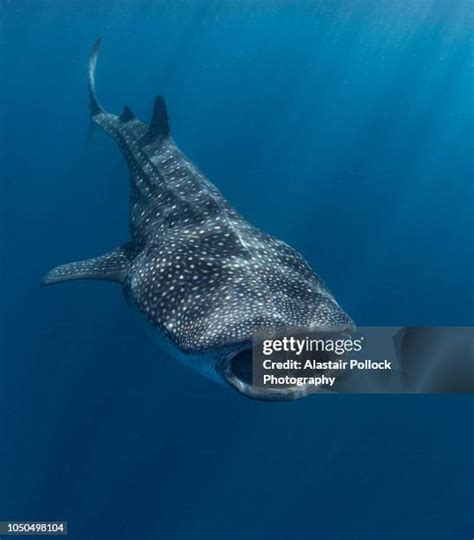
(112, 266)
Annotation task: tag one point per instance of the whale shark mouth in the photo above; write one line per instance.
(238, 374)
(241, 366)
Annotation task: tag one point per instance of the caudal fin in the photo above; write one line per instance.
(94, 104)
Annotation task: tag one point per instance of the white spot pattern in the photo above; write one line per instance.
(196, 269)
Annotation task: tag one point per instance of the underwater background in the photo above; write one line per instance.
(344, 128)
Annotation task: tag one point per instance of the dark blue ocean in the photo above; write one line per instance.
(343, 127)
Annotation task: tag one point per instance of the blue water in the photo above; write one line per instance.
(344, 128)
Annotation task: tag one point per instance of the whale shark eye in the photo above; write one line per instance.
(241, 366)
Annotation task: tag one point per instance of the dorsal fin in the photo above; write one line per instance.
(127, 114)
(159, 127)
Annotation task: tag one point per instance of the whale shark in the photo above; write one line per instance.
(204, 278)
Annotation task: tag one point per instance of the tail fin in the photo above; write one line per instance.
(94, 104)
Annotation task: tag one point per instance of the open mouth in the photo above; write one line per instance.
(238, 373)
(241, 366)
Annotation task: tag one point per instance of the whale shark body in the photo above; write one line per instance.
(204, 278)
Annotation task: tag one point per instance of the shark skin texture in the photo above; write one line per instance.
(204, 278)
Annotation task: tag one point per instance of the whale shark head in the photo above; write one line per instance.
(203, 277)
(227, 355)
